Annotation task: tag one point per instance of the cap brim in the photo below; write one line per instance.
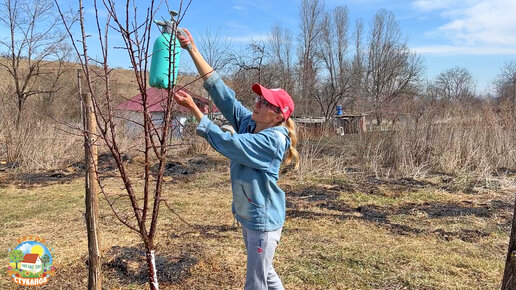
(265, 93)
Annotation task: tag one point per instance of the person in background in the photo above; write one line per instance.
(263, 139)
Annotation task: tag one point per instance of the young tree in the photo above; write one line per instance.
(45, 259)
(35, 38)
(392, 70)
(142, 216)
(16, 256)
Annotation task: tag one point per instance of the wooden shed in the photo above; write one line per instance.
(350, 123)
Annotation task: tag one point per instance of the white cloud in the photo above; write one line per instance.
(239, 8)
(249, 38)
(25, 248)
(431, 5)
(488, 22)
(468, 50)
(236, 25)
(480, 23)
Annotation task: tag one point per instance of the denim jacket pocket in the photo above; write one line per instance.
(247, 208)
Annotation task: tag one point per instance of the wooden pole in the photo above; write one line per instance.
(91, 198)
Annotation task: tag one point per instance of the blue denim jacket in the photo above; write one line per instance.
(258, 202)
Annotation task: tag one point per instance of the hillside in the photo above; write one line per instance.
(123, 85)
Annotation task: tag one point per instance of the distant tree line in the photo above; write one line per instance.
(366, 68)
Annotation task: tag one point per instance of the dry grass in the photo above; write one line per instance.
(342, 232)
(472, 145)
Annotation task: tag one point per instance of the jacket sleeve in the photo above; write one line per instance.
(253, 150)
(225, 100)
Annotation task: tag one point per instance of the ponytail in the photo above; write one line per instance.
(293, 155)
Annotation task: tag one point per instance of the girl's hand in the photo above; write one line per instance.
(184, 99)
(184, 41)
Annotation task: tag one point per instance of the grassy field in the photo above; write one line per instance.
(342, 232)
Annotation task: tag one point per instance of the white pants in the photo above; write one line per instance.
(260, 248)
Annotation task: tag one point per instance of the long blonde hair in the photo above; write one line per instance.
(293, 155)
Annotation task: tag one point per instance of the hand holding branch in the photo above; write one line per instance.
(185, 100)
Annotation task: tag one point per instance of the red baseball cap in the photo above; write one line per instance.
(278, 97)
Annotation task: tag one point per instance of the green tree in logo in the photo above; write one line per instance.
(45, 259)
(16, 256)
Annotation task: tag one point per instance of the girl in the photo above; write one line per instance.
(256, 150)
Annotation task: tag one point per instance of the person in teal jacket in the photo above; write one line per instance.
(263, 139)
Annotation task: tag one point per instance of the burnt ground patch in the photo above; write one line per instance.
(129, 265)
(30, 180)
(207, 231)
(302, 203)
(192, 166)
(395, 187)
(106, 163)
(434, 209)
(106, 166)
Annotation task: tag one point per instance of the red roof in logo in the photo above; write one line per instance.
(30, 258)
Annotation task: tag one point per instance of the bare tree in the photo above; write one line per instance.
(311, 19)
(505, 84)
(269, 63)
(392, 70)
(35, 38)
(280, 58)
(250, 66)
(357, 65)
(456, 85)
(142, 216)
(332, 50)
(217, 52)
(216, 49)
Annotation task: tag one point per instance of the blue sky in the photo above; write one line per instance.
(478, 35)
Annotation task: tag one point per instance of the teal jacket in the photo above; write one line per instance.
(258, 202)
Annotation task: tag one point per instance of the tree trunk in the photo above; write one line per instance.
(509, 275)
(153, 274)
(19, 113)
(378, 120)
(514, 98)
(91, 197)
